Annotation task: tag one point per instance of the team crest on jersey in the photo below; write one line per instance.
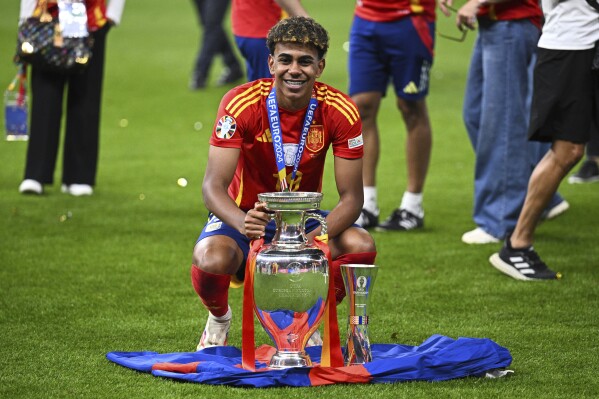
(225, 128)
(315, 139)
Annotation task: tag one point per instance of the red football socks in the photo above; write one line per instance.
(213, 290)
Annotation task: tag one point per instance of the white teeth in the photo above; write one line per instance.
(294, 83)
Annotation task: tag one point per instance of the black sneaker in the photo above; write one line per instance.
(401, 220)
(588, 173)
(367, 219)
(522, 264)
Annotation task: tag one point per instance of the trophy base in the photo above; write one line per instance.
(283, 360)
(353, 360)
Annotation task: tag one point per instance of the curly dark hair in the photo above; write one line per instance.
(300, 30)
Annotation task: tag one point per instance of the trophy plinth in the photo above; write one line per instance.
(358, 280)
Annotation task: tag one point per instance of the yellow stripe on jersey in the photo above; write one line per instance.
(266, 137)
(350, 119)
(339, 102)
(240, 194)
(416, 7)
(255, 90)
(347, 105)
(247, 104)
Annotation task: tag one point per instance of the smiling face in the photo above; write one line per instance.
(295, 68)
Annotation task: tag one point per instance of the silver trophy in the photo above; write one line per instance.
(358, 280)
(291, 278)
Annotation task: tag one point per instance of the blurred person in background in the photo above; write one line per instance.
(84, 95)
(392, 41)
(496, 112)
(564, 107)
(211, 14)
(250, 21)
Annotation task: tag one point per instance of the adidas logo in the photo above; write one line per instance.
(408, 224)
(410, 88)
(266, 137)
(520, 263)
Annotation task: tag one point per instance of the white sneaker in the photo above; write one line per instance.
(77, 190)
(29, 186)
(216, 331)
(479, 236)
(556, 210)
(315, 339)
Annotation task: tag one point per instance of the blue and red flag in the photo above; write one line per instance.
(436, 359)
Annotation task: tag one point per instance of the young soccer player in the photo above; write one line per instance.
(312, 117)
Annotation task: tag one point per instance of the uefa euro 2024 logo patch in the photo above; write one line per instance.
(225, 128)
(355, 142)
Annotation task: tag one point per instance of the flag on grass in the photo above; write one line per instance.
(436, 359)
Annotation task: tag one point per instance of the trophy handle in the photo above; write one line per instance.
(320, 219)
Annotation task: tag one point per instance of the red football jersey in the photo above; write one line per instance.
(242, 122)
(512, 10)
(392, 10)
(254, 18)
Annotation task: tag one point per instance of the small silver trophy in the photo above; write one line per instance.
(359, 280)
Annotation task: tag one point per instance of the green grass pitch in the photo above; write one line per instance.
(80, 277)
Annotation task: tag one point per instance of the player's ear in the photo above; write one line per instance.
(271, 64)
(321, 65)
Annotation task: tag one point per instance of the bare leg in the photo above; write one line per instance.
(418, 142)
(544, 181)
(368, 106)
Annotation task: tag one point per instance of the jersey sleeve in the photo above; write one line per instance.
(345, 124)
(227, 130)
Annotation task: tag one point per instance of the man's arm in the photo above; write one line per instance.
(292, 7)
(348, 178)
(466, 15)
(219, 173)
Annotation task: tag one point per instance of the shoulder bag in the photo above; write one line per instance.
(40, 42)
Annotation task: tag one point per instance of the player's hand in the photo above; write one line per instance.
(256, 220)
(466, 17)
(443, 5)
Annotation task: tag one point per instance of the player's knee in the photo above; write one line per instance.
(577, 152)
(359, 241)
(568, 154)
(215, 260)
(413, 112)
(367, 113)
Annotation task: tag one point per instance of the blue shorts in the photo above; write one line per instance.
(400, 51)
(256, 53)
(215, 227)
